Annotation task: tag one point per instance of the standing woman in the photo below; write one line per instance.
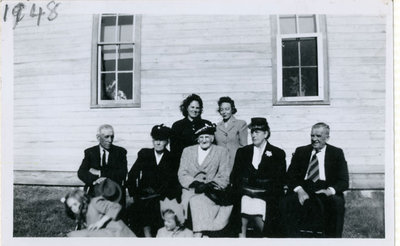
(231, 133)
(183, 130)
(258, 177)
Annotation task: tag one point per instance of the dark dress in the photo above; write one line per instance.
(162, 178)
(183, 135)
(269, 176)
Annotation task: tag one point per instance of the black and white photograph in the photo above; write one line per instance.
(270, 121)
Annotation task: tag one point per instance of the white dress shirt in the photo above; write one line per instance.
(202, 155)
(321, 167)
(321, 163)
(257, 154)
(158, 157)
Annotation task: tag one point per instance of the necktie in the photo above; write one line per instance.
(313, 170)
(103, 159)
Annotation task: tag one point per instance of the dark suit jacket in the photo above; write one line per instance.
(145, 172)
(271, 167)
(336, 172)
(116, 168)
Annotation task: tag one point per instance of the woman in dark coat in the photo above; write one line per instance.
(258, 178)
(183, 130)
(152, 178)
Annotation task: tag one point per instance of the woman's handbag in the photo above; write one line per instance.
(220, 196)
(256, 189)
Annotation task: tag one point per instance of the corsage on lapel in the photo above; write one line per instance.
(268, 153)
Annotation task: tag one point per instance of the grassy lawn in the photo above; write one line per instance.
(38, 212)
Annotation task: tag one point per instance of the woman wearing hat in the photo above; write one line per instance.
(203, 167)
(258, 177)
(183, 130)
(231, 133)
(152, 178)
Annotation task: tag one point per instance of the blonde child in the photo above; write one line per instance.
(172, 214)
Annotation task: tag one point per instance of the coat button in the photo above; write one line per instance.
(204, 178)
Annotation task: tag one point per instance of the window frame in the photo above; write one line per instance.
(322, 62)
(95, 101)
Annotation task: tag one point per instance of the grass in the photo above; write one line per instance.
(38, 212)
(364, 216)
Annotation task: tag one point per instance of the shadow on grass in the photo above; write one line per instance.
(38, 212)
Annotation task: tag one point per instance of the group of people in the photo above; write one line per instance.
(211, 183)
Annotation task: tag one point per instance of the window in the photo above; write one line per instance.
(301, 63)
(116, 61)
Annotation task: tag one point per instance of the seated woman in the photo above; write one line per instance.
(203, 167)
(258, 177)
(98, 215)
(152, 178)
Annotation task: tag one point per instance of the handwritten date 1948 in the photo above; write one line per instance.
(18, 12)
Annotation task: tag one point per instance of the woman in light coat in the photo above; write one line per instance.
(203, 167)
(231, 133)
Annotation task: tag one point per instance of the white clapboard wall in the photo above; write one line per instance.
(213, 56)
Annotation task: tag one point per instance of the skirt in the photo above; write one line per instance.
(253, 206)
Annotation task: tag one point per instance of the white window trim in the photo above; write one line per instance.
(322, 97)
(96, 101)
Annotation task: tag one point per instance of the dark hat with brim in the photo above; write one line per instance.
(259, 123)
(160, 132)
(205, 129)
(109, 190)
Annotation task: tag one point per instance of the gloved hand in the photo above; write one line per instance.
(203, 188)
(195, 183)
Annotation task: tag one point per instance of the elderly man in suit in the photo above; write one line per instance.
(317, 177)
(104, 160)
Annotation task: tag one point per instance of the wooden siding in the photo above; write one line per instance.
(213, 56)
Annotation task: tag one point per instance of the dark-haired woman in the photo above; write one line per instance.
(231, 133)
(183, 130)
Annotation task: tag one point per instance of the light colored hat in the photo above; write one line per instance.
(174, 206)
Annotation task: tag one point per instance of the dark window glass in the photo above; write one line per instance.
(290, 52)
(308, 49)
(290, 82)
(108, 85)
(309, 80)
(125, 86)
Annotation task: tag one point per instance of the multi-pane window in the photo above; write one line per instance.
(117, 61)
(300, 60)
